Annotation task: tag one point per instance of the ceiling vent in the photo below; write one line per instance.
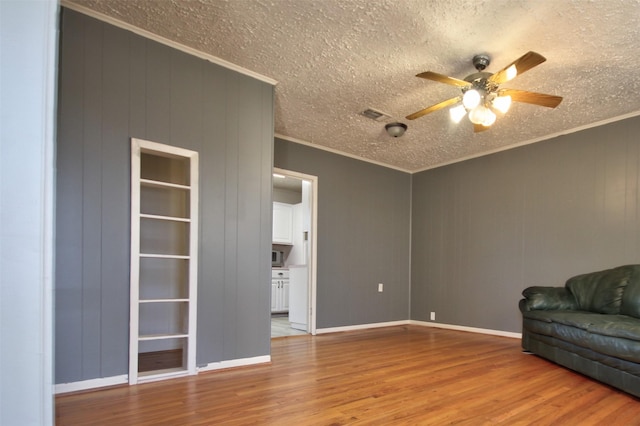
(375, 114)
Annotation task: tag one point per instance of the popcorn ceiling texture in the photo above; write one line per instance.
(334, 58)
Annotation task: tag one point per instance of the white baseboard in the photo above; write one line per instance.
(91, 384)
(469, 329)
(242, 362)
(124, 379)
(361, 326)
(421, 323)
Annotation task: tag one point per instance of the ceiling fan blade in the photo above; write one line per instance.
(522, 64)
(443, 79)
(549, 101)
(477, 128)
(433, 108)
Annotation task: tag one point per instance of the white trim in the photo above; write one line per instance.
(91, 384)
(531, 141)
(313, 270)
(469, 157)
(48, 214)
(229, 65)
(241, 362)
(163, 375)
(241, 70)
(138, 146)
(134, 262)
(181, 47)
(362, 326)
(423, 324)
(338, 152)
(469, 329)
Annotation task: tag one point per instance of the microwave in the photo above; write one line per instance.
(277, 258)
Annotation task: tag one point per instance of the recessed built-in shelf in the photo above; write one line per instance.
(164, 248)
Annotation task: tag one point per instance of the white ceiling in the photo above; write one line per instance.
(332, 59)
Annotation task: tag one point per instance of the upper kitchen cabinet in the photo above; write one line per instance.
(282, 223)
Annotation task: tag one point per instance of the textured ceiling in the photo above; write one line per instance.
(334, 58)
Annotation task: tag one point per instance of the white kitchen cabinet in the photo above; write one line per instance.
(279, 291)
(282, 223)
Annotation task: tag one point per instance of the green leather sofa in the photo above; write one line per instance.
(591, 325)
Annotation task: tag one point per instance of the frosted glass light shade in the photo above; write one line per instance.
(471, 99)
(502, 103)
(512, 72)
(457, 113)
(489, 118)
(395, 129)
(478, 114)
(482, 115)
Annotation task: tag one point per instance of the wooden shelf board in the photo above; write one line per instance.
(157, 183)
(168, 218)
(147, 337)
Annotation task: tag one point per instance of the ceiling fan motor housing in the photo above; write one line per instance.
(481, 62)
(480, 81)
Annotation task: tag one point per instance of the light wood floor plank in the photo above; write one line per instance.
(406, 375)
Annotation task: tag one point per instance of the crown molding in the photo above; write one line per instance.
(170, 43)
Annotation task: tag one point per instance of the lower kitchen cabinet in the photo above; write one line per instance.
(280, 291)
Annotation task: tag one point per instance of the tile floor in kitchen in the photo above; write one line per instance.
(280, 326)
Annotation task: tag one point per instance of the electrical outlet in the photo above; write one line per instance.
(433, 316)
(380, 286)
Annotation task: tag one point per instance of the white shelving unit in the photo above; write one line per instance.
(164, 261)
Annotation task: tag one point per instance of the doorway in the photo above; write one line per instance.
(294, 294)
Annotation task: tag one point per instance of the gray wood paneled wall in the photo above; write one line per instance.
(114, 85)
(363, 236)
(485, 229)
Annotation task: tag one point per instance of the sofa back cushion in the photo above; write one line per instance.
(601, 291)
(631, 297)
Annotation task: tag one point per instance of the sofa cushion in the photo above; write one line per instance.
(601, 291)
(631, 297)
(621, 326)
(614, 335)
(549, 298)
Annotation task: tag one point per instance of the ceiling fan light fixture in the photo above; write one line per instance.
(396, 129)
(489, 118)
(471, 99)
(482, 115)
(501, 103)
(511, 72)
(456, 113)
(481, 93)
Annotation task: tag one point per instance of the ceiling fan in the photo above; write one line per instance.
(481, 95)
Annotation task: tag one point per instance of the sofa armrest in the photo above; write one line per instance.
(548, 299)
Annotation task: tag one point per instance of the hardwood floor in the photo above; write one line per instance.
(405, 375)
